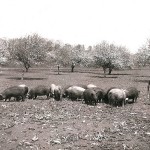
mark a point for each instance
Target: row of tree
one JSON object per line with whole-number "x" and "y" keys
{"x": 34, "y": 49}
{"x": 142, "y": 57}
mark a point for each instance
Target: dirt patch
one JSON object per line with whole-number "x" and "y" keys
{"x": 72, "y": 125}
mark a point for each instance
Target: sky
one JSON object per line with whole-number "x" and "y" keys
{"x": 88, "y": 22}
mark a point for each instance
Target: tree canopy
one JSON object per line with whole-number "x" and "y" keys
{"x": 28, "y": 50}
{"x": 142, "y": 57}
{"x": 34, "y": 49}
{"x": 111, "y": 56}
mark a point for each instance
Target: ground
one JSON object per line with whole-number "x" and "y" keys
{"x": 70, "y": 125}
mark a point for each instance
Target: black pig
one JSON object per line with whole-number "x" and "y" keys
{"x": 90, "y": 97}
{"x": 14, "y": 91}
{"x": 132, "y": 93}
{"x": 40, "y": 90}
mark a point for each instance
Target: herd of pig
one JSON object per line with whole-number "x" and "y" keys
{"x": 89, "y": 94}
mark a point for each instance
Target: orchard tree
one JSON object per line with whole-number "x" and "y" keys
{"x": 68, "y": 55}
{"x": 104, "y": 57}
{"x": 87, "y": 57}
{"x": 142, "y": 57}
{"x": 63, "y": 55}
{"x": 77, "y": 53}
{"x": 76, "y": 56}
{"x": 110, "y": 56}
{"x": 28, "y": 50}
{"x": 126, "y": 57}
{"x": 4, "y": 54}
{"x": 19, "y": 52}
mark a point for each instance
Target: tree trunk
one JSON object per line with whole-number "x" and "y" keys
{"x": 104, "y": 69}
{"x": 110, "y": 70}
{"x": 27, "y": 67}
{"x": 72, "y": 69}
{"x": 58, "y": 68}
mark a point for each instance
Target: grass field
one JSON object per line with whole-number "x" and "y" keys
{"x": 71, "y": 125}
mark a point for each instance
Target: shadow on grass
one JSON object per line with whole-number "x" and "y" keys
{"x": 39, "y": 99}
{"x": 26, "y": 78}
{"x": 103, "y": 77}
{"x": 143, "y": 81}
{"x": 4, "y": 74}
{"x": 94, "y": 71}
{"x": 118, "y": 74}
{"x": 141, "y": 76}
{"x": 78, "y": 71}
{"x": 63, "y": 72}
{"x": 56, "y": 74}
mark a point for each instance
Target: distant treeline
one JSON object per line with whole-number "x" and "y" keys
{"x": 34, "y": 50}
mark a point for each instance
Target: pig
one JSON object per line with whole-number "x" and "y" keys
{"x": 117, "y": 97}
{"x": 100, "y": 93}
{"x": 52, "y": 88}
{"x": 90, "y": 97}
{"x": 15, "y": 91}
{"x": 75, "y": 92}
{"x": 82, "y": 85}
{"x": 132, "y": 93}
{"x": 106, "y": 91}
{"x": 39, "y": 90}
{"x": 65, "y": 92}
{"x": 58, "y": 93}
{"x": 91, "y": 86}
{"x": 26, "y": 89}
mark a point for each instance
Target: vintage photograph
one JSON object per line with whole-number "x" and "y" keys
{"x": 74, "y": 75}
